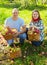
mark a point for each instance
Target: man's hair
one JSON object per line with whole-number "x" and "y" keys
{"x": 15, "y": 9}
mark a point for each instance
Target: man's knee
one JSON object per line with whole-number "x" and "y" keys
{"x": 22, "y": 36}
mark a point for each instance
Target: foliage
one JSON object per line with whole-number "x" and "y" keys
{"x": 25, "y": 11}
{"x": 25, "y": 14}
{"x": 22, "y": 3}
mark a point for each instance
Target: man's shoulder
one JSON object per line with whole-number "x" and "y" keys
{"x": 9, "y": 18}
{"x": 21, "y": 19}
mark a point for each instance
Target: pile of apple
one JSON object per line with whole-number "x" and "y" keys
{"x": 33, "y": 30}
{"x": 6, "y": 54}
{"x": 33, "y": 34}
{"x": 14, "y": 49}
{"x": 7, "y": 62}
{"x": 3, "y": 53}
{"x": 11, "y": 31}
{"x": 8, "y": 30}
{"x": 2, "y": 40}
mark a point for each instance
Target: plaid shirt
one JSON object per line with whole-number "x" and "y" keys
{"x": 40, "y": 26}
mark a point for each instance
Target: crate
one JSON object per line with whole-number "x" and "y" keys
{"x": 33, "y": 36}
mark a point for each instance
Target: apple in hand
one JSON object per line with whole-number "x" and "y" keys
{"x": 14, "y": 31}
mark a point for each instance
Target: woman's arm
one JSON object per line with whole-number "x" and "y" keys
{"x": 41, "y": 27}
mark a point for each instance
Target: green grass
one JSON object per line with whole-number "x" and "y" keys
{"x": 31, "y": 54}
{"x": 25, "y": 14}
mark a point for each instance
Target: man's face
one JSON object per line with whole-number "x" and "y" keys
{"x": 15, "y": 13}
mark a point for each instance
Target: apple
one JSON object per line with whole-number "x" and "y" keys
{"x": 3, "y": 32}
{"x": 36, "y": 30}
{"x": 11, "y": 31}
{"x": 35, "y": 33}
{"x": 12, "y": 61}
{"x": 17, "y": 49}
{"x": 8, "y": 60}
{"x": 30, "y": 32}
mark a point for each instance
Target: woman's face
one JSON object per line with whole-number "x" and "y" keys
{"x": 35, "y": 15}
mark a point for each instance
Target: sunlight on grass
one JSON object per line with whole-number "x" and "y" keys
{"x": 25, "y": 14}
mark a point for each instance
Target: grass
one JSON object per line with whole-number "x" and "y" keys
{"x": 31, "y": 55}
{"x": 25, "y": 14}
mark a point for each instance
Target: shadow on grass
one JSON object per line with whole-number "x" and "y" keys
{"x": 11, "y": 5}
{"x": 39, "y": 7}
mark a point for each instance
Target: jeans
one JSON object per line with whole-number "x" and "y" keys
{"x": 21, "y": 36}
{"x": 37, "y": 43}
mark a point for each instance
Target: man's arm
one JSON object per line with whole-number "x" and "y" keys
{"x": 23, "y": 29}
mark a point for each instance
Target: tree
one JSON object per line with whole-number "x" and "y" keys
{"x": 11, "y": 1}
{"x": 35, "y": 2}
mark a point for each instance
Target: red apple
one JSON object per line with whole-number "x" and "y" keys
{"x": 36, "y": 30}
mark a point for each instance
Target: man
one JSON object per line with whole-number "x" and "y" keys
{"x": 15, "y": 22}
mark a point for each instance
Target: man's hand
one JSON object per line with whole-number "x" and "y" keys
{"x": 9, "y": 29}
{"x": 16, "y": 34}
{"x": 23, "y": 29}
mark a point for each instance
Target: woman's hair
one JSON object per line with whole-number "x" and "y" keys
{"x": 38, "y": 14}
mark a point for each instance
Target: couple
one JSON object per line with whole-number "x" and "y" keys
{"x": 17, "y": 23}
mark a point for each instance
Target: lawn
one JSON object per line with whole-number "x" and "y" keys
{"x": 25, "y": 14}
{"x": 30, "y": 53}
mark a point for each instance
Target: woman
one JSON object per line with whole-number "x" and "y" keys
{"x": 37, "y": 24}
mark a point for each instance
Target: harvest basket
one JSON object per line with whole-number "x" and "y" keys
{"x": 33, "y": 36}
{"x": 36, "y": 37}
{"x": 8, "y": 37}
{"x": 15, "y": 54}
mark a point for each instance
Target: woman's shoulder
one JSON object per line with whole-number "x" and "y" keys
{"x": 41, "y": 21}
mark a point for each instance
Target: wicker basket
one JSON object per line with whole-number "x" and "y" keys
{"x": 8, "y": 37}
{"x": 33, "y": 36}
{"x": 30, "y": 37}
{"x": 36, "y": 37}
{"x": 15, "y": 54}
